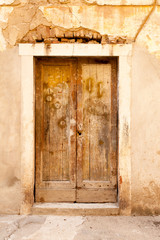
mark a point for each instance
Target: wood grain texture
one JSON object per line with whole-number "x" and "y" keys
{"x": 76, "y": 129}
{"x": 97, "y": 144}
{"x": 55, "y": 127}
{"x": 96, "y": 195}
{"x": 59, "y": 195}
{"x": 96, "y": 80}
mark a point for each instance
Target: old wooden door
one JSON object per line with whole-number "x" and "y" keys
{"x": 76, "y": 130}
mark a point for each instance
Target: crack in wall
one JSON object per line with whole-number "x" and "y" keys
{"x": 73, "y": 14}
{"x": 145, "y": 20}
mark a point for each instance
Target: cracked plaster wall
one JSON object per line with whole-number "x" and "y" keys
{"x": 140, "y": 24}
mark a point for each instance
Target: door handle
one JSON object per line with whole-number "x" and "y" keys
{"x": 79, "y": 133}
{"x": 79, "y": 129}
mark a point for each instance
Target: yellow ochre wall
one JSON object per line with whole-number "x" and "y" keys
{"x": 136, "y": 20}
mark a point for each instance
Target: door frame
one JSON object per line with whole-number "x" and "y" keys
{"x": 27, "y": 53}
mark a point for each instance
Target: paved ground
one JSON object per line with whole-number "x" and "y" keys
{"x": 79, "y": 228}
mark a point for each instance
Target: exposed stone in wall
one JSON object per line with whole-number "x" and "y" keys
{"x": 81, "y": 35}
{"x": 55, "y": 34}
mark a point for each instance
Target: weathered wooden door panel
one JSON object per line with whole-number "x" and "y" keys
{"x": 101, "y": 195}
{"x": 76, "y": 130}
{"x": 97, "y": 124}
{"x": 55, "y": 195}
{"x": 55, "y": 130}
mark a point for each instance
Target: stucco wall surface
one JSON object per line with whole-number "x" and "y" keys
{"x": 145, "y": 132}
{"x": 138, "y": 21}
{"x": 10, "y": 164}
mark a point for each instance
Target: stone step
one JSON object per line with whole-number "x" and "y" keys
{"x": 76, "y": 209}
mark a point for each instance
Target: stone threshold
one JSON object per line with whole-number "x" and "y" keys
{"x": 76, "y": 209}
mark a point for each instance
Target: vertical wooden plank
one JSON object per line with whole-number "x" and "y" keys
{"x": 80, "y": 127}
{"x": 39, "y": 123}
{"x": 96, "y": 105}
{"x": 58, "y": 122}
{"x": 46, "y": 98}
{"x": 86, "y": 88}
{"x": 114, "y": 126}
{"x": 96, "y": 102}
{"x": 56, "y": 134}
{"x": 73, "y": 119}
{"x": 66, "y": 130}
{"x": 93, "y": 126}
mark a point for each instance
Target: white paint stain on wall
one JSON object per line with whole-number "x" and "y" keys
{"x": 6, "y": 1}
{"x": 4, "y": 13}
{"x": 2, "y": 41}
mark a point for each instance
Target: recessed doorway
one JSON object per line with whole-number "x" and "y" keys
{"x": 76, "y": 129}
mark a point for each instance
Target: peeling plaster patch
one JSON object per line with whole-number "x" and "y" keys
{"x": 40, "y": 2}
{"x": 4, "y": 14}
{"x": 64, "y": 1}
{"x": 102, "y": 18}
{"x": 24, "y": 1}
{"x": 64, "y": 16}
{"x": 20, "y": 21}
{"x": 6, "y": 1}
{"x": 38, "y": 19}
{"x": 29, "y": 16}
{"x": 120, "y": 2}
{"x": 13, "y": 34}
{"x": 2, "y": 41}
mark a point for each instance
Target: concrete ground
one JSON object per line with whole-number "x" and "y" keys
{"x": 79, "y": 228}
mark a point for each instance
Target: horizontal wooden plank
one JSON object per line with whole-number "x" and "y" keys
{"x": 96, "y": 195}
{"x": 97, "y": 184}
{"x": 56, "y": 185}
{"x": 51, "y": 195}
